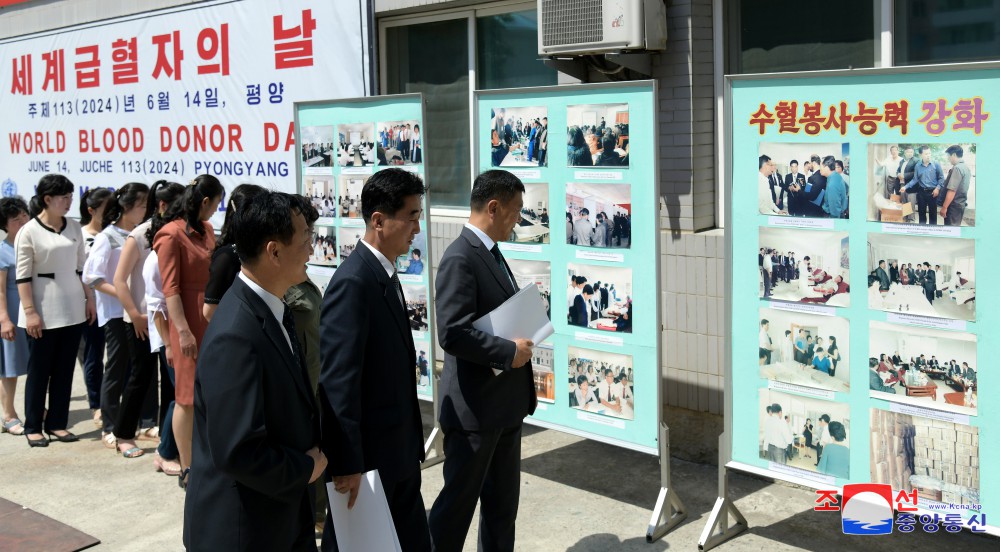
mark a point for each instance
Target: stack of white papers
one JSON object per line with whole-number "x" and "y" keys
{"x": 520, "y": 317}
{"x": 368, "y": 526}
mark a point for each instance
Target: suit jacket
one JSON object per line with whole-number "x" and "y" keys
{"x": 255, "y": 418}
{"x": 930, "y": 280}
{"x": 470, "y": 284}
{"x": 368, "y": 393}
{"x": 883, "y": 278}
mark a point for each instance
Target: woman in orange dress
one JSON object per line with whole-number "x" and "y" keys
{"x": 183, "y": 240}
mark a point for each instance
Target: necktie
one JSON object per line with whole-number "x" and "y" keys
{"x": 503, "y": 265}
{"x": 288, "y": 321}
{"x": 399, "y": 291}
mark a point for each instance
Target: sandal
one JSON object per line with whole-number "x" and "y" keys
{"x": 131, "y": 452}
{"x": 13, "y": 426}
{"x": 168, "y": 467}
{"x": 182, "y": 479}
{"x": 98, "y": 421}
{"x": 148, "y": 434}
{"x": 110, "y": 441}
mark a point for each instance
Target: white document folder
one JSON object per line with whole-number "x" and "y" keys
{"x": 520, "y": 317}
{"x": 368, "y": 526}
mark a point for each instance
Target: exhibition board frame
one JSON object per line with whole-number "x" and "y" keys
{"x": 555, "y": 179}
{"x": 364, "y": 111}
{"x": 873, "y": 86}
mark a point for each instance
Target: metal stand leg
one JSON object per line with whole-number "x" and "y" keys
{"x": 669, "y": 510}
{"x": 434, "y": 446}
{"x": 718, "y": 529}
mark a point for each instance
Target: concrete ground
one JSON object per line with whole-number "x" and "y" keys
{"x": 576, "y": 495}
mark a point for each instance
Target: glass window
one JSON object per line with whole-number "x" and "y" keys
{"x": 804, "y": 35}
{"x": 944, "y": 31}
{"x": 507, "y": 52}
{"x": 433, "y": 58}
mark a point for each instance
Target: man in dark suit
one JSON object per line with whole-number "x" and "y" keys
{"x": 929, "y": 282}
{"x": 368, "y": 394}
{"x": 486, "y": 389}
{"x": 883, "y": 277}
{"x": 256, "y": 427}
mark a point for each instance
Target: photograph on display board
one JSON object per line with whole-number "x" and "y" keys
{"x": 922, "y": 276}
{"x": 803, "y": 180}
{"x": 414, "y": 262}
{"x": 923, "y": 367}
{"x": 534, "y": 224}
{"x": 804, "y": 349}
{"x": 601, "y": 382}
{"x": 805, "y": 433}
{"x": 597, "y": 135}
{"x": 349, "y": 194}
{"x": 317, "y": 146}
{"x": 324, "y": 246}
{"x": 599, "y": 297}
{"x": 401, "y": 143}
{"x": 538, "y": 273}
{"x": 319, "y": 190}
{"x": 416, "y": 307}
{"x": 347, "y": 239}
{"x": 938, "y": 459}
{"x": 928, "y": 183}
{"x": 519, "y": 136}
{"x": 805, "y": 266}
{"x": 356, "y": 145}
{"x": 599, "y": 215}
{"x": 423, "y": 367}
{"x": 542, "y": 373}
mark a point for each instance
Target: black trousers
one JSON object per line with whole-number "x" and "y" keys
{"x": 134, "y": 396}
{"x": 408, "y": 516}
{"x": 926, "y": 202}
{"x": 51, "y": 361}
{"x": 115, "y": 371}
{"x": 484, "y": 467}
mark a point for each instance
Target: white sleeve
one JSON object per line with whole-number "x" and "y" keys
{"x": 95, "y": 269}
{"x": 154, "y": 285}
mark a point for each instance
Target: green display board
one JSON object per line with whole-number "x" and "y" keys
{"x": 913, "y": 421}
{"x": 598, "y": 376}
{"x": 340, "y": 143}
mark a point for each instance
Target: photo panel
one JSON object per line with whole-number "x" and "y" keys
{"x": 803, "y": 180}
{"x": 936, "y": 458}
{"x": 804, "y": 266}
{"x": 534, "y": 224}
{"x": 542, "y": 372}
{"x": 599, "y": 297}
{"x": 599, "y": 215}
{"x": 804, "y": 433}
{"x": 399, "y": 143}
{"x": 412, "y": 265}
{"x": 347, "y": 240}
{"x": 416, "y": 307}
{"x": 519, "y": 136}
{"x": 804, "y": 349}
{"x": 349, "y": 194}
{"x": 923, "y": 367}
{"x": 538, "y": 273}
{"x": 601, "y": 382}
{"x": 317, "y": 146}
{"x": 424, "y": 369}
{"x": 922, "y": 276}
{"x": 319, "y": 190}
{"x": 597, "y": 135}
{"x": 902, "y": 178}
{"x": 324, "y": 247}
{"x": 356, "y": 145}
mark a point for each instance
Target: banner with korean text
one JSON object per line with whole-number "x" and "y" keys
{"x": 855, "y": 264}
{"x": 176, "y": 93}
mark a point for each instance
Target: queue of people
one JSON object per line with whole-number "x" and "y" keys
{"x": 819, "y": 191}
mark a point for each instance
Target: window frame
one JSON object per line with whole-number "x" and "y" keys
{"x": 470, "y": 14}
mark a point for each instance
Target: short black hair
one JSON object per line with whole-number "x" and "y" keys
{"x": 416, "y": 252}
{"x": 957, "y": 150}
{"x": 304, "y": 206}
{"x": 922, "y": 149}
{"x": 49, "y": 185}
{"x": 587, "y": 290}
{"x": 840, "y": 164}
{"x": 764, "y": 322}
{"x": 793, "y": 162}
{"x": 825, "y": 418}
{"x": 775, "y": 407}
{"x": 494, "y": 184}
{"x": 830, "y": 162}
{"x": 386, "y": 192}
{"x": 265, "y": 217}
{"x": 11, "y": 207}
{"x": 837, "y": 431}
{"x": 762, "y": 160}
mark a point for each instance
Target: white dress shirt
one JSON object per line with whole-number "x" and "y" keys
{"x": 487, "y": 241}
{"x": 765, "y": 203}
{"x": 153, "y": 298}
{"x": 389, "y": 269}
{"x": 274, "y": 304}
{"x": 102, "y": 261}
{"x": 776, "y": 432}
{"x": 765, "y": 340}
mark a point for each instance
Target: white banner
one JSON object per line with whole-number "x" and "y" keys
{"x": 204, "y": 89}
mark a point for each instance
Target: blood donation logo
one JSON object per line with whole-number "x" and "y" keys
{"x": 867, "y": 509}
{"x": 9, "y": 188}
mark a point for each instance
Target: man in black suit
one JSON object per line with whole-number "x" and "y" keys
{"x": 929, "y": 282}
{"x": 883, "y": 278}
{"x": 486, "y": 389}
{"x": 368, "y": 393}
{"x": 793, "y": 184}
{"x": 256, "y": 427}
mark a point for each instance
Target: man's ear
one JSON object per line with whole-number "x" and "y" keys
{"x": 271, "y": 251}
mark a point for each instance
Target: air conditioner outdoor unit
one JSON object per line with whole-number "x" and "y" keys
{"x": 579, "y": 27}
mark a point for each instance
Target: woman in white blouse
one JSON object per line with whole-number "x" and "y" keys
{"x": 54, "y": 305}
{"x": 92, "y": 205}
